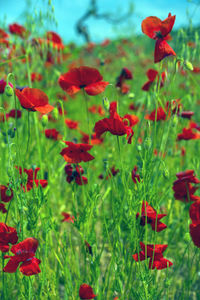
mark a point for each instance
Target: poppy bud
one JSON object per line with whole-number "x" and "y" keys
{"x": 8, "y": 90}
{"x": 55, "y": 113}
{"x": 8, "y": 192}
{"x": 139, "y": 147}
{"x": 44, "y": 120}
{"x": 166, "y": 173}
{"x": 131, "y": 95}
{"x": 106, "y": 103}
{"x": 188, "y": 65}
{"x": 187, "y": 237}
{"x": 147, "y": 143}
{"x": 11, "y": 133}
{"x": 175, "y": 121}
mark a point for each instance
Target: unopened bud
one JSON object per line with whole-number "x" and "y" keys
{"x": 166, "y": 173}
{"x": 188, "y": 65}
{"x": 55, "y": 113}
{"x": 139, "y": 147}
{"x": 8, "y": 91}
{"x": 187, "y": 237}
{"x": 175, "y": 121}
{"x": 131, "y": 95}
{"x": 8, "y": 192}
{"x": 44, "y": 120}
{"x": 147, "y": 143}
{"x": 106, "y": 103}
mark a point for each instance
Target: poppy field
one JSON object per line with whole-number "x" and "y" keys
{"x": 100, "y": 165}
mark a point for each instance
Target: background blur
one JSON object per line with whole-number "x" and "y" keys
{"x": 67, "y": 13}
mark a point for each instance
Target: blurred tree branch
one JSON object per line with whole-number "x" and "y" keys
{"x": 93, "y": 11}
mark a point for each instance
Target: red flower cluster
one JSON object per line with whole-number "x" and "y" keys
{"x": 32, "y": 180}
{"x": 195, "y": 226}
{"x": 86, "y": 292}
{"x": 155, "y": 252}
{"x": 150, "y": 216}
{"x": 152, "y": 76}
{"x": 24, "y": 253}
{"x": 183, "y": 188}
{"x": 76, "y": 153}
{"x": 85, "y": 78}
{"x": 34, "y": 100}
{"x": 159, "y": 30}
{"x": 6, "y": 195}
{"x": 114, "y": 124}
{"x": 8, "y": 235}
{"x": 75, "y": 174}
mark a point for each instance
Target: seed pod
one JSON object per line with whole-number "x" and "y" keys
{"x": 8, "y": 91}
{"x": 188, "y": 65}
{"x": 106, "y": 103}
{"x": 44, "y": 120}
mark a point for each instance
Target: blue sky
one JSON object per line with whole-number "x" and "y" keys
{"x": 68, "y": 11}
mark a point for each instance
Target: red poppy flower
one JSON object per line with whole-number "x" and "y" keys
{"x": 71, "y": 124}
{"x": 67, "y": 218}
{"x": 8, "y": 235}
{"x": 194, "y": 125}
{"x": 55, "y": 39}
{"x": 5, "y": 197}
{"x": 3, "y": 34}
{"x": 183, "y": 189}
{"x": 195, "y": 226}
{"x": 96, "y": 109}
{"x": 86, "y": 292}
{"x": 89, "y": 248}
{"x": 75, "y": 174}
{"x": 76, "y": 153}
{"x": 34, "y": 100}
{"x": 135, "y": 176}
{"x": 2, "y": 86}
{"x": 162, "y": 50}
{"x": 114, "y": 124}
{"x": 188, "y": 134}
{"x": 24, "y": 253}
{"x": 152, "y": 75}
{"x": 156, "y": 29}
{"x": 94, "y": 140}
{"x": 150, "y": 216}
{"x": 17, "y": 29}
{"x": 32, "y": 179}
{"x": 36, "y": 77}
{"x": 155, "y": 252}
{"x": 14, "y": 112}
{"x": 2, "y": 208}
{"x": 83, "y": 77}
{"x": 158, "y": 115}
{"x": 187, "y": 114}
{"x": 159, "y": 30}
{"x": 53, "y": 134}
